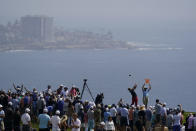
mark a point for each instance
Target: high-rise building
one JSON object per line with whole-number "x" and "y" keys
{"x": 37, "y": 28}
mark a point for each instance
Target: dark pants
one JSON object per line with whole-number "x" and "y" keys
{"x": 25, "y": 128}
{"x": 131, "y": 124}
{"x": 44, "y": 129}
{"x": 134, "y": 100}
{"x": 17, "y": 128}
{"x": 114, "y": 120}
{"x": 176, "y": 128}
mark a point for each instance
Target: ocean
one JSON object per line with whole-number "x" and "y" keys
{"x": 171, "y": 72}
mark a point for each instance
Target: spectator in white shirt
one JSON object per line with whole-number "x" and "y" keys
{"x": 26, "y": 120}
{"x": 76, "y": 123}
{"x": 109, "y": 125}
{"x": 55, "y": 120}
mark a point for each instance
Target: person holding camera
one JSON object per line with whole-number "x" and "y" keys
{"x": 134, "y": 95}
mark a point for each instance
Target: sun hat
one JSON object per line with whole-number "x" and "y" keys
{"x": 10, "y": 103}
{"x": 102, "y": 123}
{"x": 57, "y": 112}
{"x": 27, "y": 110}
{"x": 45, "y": 110}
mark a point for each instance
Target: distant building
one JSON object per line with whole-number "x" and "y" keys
{"x": 37, "y": 28}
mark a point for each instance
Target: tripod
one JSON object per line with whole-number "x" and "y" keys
{"x": 86, "y": 86}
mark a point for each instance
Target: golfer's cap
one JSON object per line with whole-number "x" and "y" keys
{"x": 61, "y": 85}
{"x": 132, "y": 106}
{"x": 1, "y": 106}
{"x": 74, "y": 86}
{"x": 165, "y": 103}
{"x": 27, "y": 110}
{"x": 102, "y": 123}
{"x": 45, "y": 110}
{"x": 10, "y": 103}
{"x": 57, "y": 112}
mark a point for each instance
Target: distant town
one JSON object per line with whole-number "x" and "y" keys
{"x": 39, "y": 33}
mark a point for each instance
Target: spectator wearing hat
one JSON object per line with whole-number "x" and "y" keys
{"x": 113, "y": 112}
{"x": 145, "y": 91}
{"x": 90, "y": 115}
{"x": 81, "y": 117}
{"x": 41, "y": 103}
{"x": 2, "y": 115}
{"x": 8, "y": 120}
{"x": 55, "y": 120}
{"x": 44, "y": 121}
{"x": 101, "y": 127}
{"x": 60, "y": 105}
{"x": 124, "y": 117}
{"x": 163, "y": 114}
{"x": 26, "y": 120}
{"x": 148, "y": 118}
{"x": 106, "y": 114}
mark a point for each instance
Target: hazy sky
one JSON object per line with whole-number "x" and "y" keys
{"x": 103, "y": 13}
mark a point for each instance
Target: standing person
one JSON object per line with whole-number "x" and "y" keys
{"x": 177, "y": 119}
{"x": 169, "y": 120}
{"x": 97, "y": 115}
{"x": 113, "y": 112}
{"x": 158, "y": 111}
{"x": 163, "y": 115}
{"x": 190, "y": 122}
{"x": 26, "y": 120}
{"x": 16, "y": 120}
{"x": 142, "y": 116}
{"x": 44, "y": 121}
{"x": 81, "y": 117}
{"x": 148, "y": 118}
{"x": 76, "y": 123}
{"x": 194, "y": 122}
{"x": 134, "y": 95}
{"x": 2, "y": 115}
{"x": 91, "y": 122}
{"x": 106, "y": 114}
{"x": 41, "y": 103}
{"x": 124, "y": 118}
{"x": 145, "y": 91}
{"x": 55, "y": 120}
{"x": 8, "y": 120}
{"x": 109, "y": 125}
{"x": 131, "y": 112}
